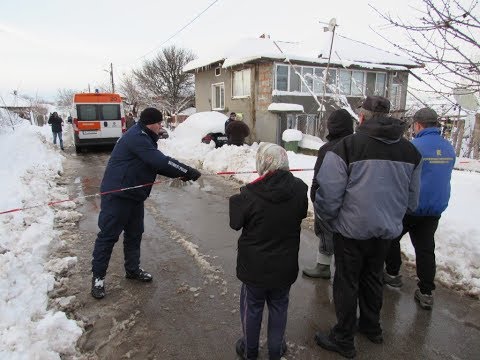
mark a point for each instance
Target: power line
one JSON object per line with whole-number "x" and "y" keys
{"x": 178, "y": 31}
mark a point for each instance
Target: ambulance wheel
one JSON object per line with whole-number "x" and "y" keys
{"x": 78, "y": 149}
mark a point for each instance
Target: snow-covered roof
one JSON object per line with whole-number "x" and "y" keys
{"x": 346, "y": 52}
{"x": 278, "y": 107}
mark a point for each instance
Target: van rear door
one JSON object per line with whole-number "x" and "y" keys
{"x": 99, "y": 121}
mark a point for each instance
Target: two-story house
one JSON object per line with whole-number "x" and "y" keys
{"x": 277, "y": 85}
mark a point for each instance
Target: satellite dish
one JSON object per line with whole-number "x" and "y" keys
{"x": 331, "y": 25}
{"x": 466, "y": 98}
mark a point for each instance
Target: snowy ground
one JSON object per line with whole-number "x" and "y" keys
{"x": 29, "y": 168}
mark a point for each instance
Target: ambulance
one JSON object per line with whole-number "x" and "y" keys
{"x": 97, "y": 119}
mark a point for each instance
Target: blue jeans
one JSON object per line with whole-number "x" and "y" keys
{"x": 118, "y": 214}
{"x": 59, "y": 134}
{"x": 252, "y": 301}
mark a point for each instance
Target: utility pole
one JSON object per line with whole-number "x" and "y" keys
{"x": 332, "y": 25}
{"x": 111, "y": 77}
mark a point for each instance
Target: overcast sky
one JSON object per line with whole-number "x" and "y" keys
{"x": 50, "y": 44}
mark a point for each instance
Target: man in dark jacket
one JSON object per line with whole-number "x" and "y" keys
{"x": 438, "y": 160}
{"x": 231, "y": 119}
{"x": 269, "y": 211}
{"x": 236, "y": 132}
{"x": 366, "y": 184}
{"x": 339, "y": 125}
{"x": 135, "y": 161}
{"x": 56, "y": 122}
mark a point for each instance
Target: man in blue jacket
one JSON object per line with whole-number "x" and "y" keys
{"x": 438, "y": 160}
{"x": 135, "y": 160}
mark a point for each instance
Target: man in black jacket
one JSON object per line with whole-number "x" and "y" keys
{"x": 269, "y": 211}
{"x": 339, "y": 125}
{"x": 365, "y": 186}
{"x": 56, "y": 122}
{"x": 236, "y": 132}
{"x": 135, "y": 160}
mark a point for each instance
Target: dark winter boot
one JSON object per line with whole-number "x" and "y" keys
{"x": 424, "y": 300}
{"x": 319, "y": 271}
{"x": 327, "y": 342}
{"x": 98, "y": 287}
{"x": 139, "y": 275}
{"x": 392, "y": 280}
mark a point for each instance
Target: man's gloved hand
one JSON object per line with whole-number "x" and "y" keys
{"x": 192, "y": 174}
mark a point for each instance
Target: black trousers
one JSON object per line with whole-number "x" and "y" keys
{"x": 358, "y": 279}
{"x": 252, "y": 302}
{"x": 422, "y": 233}
{"x": 118, "y": 214}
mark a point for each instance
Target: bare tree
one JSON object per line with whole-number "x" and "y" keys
{"x": 444, "y": 37}
{"x": 65, "y": 98}
{"x": 164, "y": 79}
{"x": 132, "y": 92}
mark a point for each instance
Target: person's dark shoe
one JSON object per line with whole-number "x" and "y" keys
{"x": 392, "y": 280}
{"x": 374, "y": 338}
{"x": 328, "y": 343}
{"x": 320, "y": 271}
{"x": 424, "y": 300}
{"x": 240, "y": 350}
{"x": 140, "y": 275}
{"x": 98, "y": 287}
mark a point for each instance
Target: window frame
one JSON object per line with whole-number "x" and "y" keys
{"x": 249, "y": 85}
{"x": 219, "y": 71}
{"x": 384, "y": 85}
{"x": 394, "y": 96}
{"x": 288, "y": 76}
{"x": 221, "y": 85}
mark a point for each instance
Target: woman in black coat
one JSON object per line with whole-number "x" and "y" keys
{"x": 269, "y": 211}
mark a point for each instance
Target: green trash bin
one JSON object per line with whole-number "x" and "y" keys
{"x": 291, "y": 146}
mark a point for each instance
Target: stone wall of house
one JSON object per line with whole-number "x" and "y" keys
{"x": 266, "y": 122}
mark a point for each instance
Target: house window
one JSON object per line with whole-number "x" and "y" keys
{"x": 218, "y": 71}
{"x": 307, "y": 73}
{"x": 380, "y": 82}
{"x": 351, "y": 82}
{"x": 306, "y": 123}
{"x": 282, "y": 78}
{"x": 287, "y": 79}
{"x": 295, "y": 82}
{"x": 218, "y": 96}
{"x": 358, "y": 83}
{"x": 241, "y": 83}
{"x": 345, "y": 82}
{"x": 396, "y": 96}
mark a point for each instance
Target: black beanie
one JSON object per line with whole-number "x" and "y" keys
{"x": 151, "y": 116}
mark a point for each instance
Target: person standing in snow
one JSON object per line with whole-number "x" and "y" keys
{"x": 135, "y": 160}
{"x": 231, "y": 119}
{"x": 269, "y": 211}
{"x": 236, "y": 132}
{"x": 438, "y": 160}
{"x": 365, "y": 186}
{"x": 56, "y": 122}
{"x": 339, "y": 125}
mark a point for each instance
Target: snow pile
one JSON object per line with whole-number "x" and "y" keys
{"x": 196, "y": 126}
{"x": 27, "y": 329}
{"x": 467, "y": 164}
{"x": 292, "y": 135}
{"x": 457, "y": 240}
{"x": 310, "y": 142}
{"x": 9, "y": 120}
{"x": 285, "y": 107}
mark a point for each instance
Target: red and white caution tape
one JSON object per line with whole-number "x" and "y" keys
{"x": 51, "y": 203}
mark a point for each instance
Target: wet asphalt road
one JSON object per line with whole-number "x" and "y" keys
{"x": 190, "y": 310}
